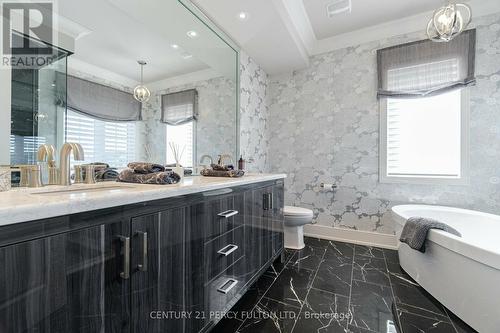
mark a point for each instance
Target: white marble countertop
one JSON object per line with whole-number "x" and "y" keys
{"x": 24, "y": 204}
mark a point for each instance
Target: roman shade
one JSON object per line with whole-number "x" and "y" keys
{"x": 426, "y": 68}
{"x": 97, "y": 100}
{"x": 180, "y": 107}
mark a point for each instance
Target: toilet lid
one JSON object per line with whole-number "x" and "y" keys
{"x": 297, "y": 211}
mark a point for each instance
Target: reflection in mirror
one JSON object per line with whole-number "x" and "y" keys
{"x": 87, "y": 96}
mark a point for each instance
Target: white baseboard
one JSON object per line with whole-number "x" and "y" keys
{"x": 351, "y": 236}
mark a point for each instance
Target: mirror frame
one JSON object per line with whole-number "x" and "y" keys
{"x": 198, "y": 13}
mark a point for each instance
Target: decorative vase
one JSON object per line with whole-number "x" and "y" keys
{"x": 180, "y": 171}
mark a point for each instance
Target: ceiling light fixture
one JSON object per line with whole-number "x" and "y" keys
{"x": 175, "y": 46}
{"x": 448, "y": 22}
{"x": 192, "y": 34}
{"x": 141, "y": 93}
{"x": 243, "y": 16}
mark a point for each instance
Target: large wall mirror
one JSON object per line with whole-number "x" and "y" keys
{"x": 86, "y": 95}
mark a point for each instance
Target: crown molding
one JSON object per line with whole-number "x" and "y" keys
{"x": 394, "y": 28}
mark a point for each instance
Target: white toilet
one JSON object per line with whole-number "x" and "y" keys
{"x": 295, "y": 219}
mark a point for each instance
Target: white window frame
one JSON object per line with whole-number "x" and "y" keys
{"x": 464, "y": 162}
{"x": 195, "y": 152}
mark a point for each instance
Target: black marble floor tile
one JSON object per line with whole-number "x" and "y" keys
{"x": 291, "y": 286}
{"x": 316, "y": 242}
{"x": 371, "y": 306}
{"x": 369, "y": 269}
{"x": 323, "y": 312}
{"x": 395, "y": 268}
{"x": 339, "y": 249}
{"x": 412, "y": 323}
{"x": 409, "y": 293}
{"x": 252, "y": 296}
{"x": 391, "y": 256}
{"x": 271, "y": 316}
{"x": 334, "y": 275}
{"x": 227, "y": 325}
{"x": 369, "y": 251}
{"x": 275, "y": 269}
{"x": 355, "y": 329}
{"x": 309, "y": 258}
{"x": 460, "y": 326}
{"x": 328, "y": 279}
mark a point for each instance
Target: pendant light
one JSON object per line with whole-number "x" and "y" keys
{"x": 448, "y": 22}
{"x": 141, "y": 93}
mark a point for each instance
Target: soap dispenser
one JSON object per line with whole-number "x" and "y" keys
{"x": 241, "y": 163}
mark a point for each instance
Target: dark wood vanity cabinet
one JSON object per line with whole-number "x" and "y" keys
{"x": 173, "y": 265}
{"x": 64, "y": 283}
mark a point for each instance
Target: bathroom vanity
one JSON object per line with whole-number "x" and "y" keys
{"x": 135, "y": 258}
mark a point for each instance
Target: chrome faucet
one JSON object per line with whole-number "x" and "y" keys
{"x": 66, "y": 150}
{"x": 203, "y": 158}
{"x": 224, "y": 157}
{"x": 47, "y": 153}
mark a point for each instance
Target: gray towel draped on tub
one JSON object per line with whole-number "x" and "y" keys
{"x": 416, "y": 228}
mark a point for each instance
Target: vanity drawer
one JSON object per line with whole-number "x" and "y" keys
{"x": 223, "y": 251}
{"x": 222, "y": 216}
{"x": 224, "y": 291}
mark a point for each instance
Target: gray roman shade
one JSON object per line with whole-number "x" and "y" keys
{"x": 99, "y": 101}
{"x": 180, "y": 107}
{"x": 426, "y": 68}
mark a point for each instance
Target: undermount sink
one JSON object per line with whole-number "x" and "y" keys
{"x": 75, "y": 190}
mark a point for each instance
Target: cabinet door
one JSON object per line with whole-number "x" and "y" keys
{"x": 167, "y": 278}
{"x": 63, "y": 283}
{"x": 277, "y": 220}
{"x": 258, "y": 245}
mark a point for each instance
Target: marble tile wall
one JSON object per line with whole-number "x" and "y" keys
{"x": 4, "y": 179}
{"x": 324, "y": 127}
{"x": 254, "y": 115}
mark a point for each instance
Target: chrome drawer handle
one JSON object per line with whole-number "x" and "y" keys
{"x": 125, "y": 274}
{"x": 231, "y": 283}
{"x": 227, "y": 250}
{"x": 228, "y": 213}
{"x": 144, "y": 249}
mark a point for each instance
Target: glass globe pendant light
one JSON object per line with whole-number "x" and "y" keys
{"x": 141, "y": 92}
{"x": 448, "y": 22}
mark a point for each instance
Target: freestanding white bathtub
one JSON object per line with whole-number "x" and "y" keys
{"x": 463, "y": 273}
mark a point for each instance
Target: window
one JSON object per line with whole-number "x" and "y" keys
{"x": 182, "y": 135}
{"x": 425, "y": 139}
{"x": 102, "y": 141}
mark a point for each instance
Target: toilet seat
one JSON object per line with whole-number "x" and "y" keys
{"x": 297, "y": 212}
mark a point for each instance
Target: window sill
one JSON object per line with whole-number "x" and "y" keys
{"x": 464, "y": 181}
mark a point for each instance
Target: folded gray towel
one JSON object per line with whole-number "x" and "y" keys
{"x": 160, "y": 178}
{"x": 142, "y": 167}
{"x": 416, "y": 228}
{"x": 220, "y": 173}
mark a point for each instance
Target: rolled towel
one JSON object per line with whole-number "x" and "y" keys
{"x": 106, "y": 174}
{"x": 416, "y": 228}
{"x": 218, "y": 167}
{"x": 142, "y": 167}
{"x": 159, "y": 178}
{"x": 220, "y": 173}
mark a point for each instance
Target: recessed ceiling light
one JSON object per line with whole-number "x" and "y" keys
{"x": 338, "y": 6}
{"x": 192, "y": 34}
{"x": 175, "y": 46}
{"x": 243, "y": 16}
